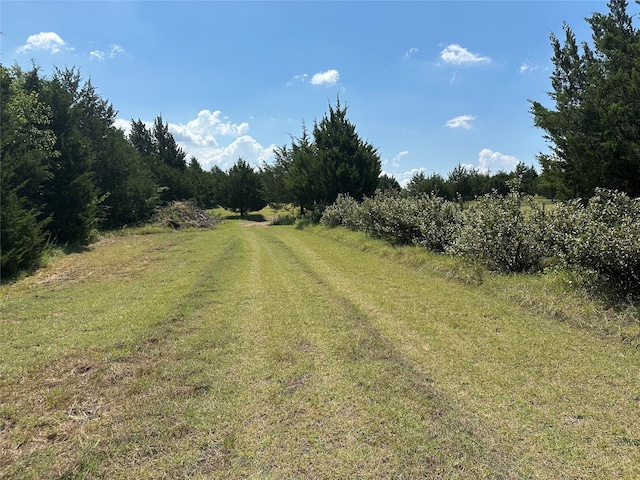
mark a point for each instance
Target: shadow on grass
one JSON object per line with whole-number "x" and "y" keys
{"x": 251, "y": 217}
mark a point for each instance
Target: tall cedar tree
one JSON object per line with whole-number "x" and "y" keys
{"x": 70, "y": 195}
{"x": 26, "y": 147}
{"x": 347, "y": 164}
{"x": 244, "y": 189}
{"x": 594, "y": 129}
{"x": 335, "y": 161}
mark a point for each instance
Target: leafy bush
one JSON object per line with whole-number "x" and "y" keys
{"x": 344, "y": 212}
{"x": 600, "y": 240}
{"x": 499, "y": 232}
{"x": 390, "y": 217}
{"x": 425, "y": 220}
{"x": 439, "y": 222}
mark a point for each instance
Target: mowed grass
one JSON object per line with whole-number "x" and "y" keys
{"x": 271, "y": 352}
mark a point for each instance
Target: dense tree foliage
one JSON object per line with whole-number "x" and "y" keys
{"x": 27, "y": 146}
{"x": 244, "y": 191}
{"x": 67, "y": 170}
{"x": 314, "y": 170}
{"x": 594, "y": 127}
{"x": 465, "y": 183}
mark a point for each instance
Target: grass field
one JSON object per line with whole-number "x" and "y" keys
{"x": 270, "y": 352}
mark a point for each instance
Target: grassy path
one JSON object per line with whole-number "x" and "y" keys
{"x": 269, "y": 352}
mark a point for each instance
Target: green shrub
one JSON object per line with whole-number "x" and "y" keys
{"x": 426, "y": 220}
{"x": 344, "y": 212}
{"x": 498, "y": 232}
{"x": 439, "y": 222}
{"x": 600, "y": 241}
{"x": 390, "y": 217}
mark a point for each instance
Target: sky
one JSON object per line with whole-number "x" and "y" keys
{"x": 431, "y": 84}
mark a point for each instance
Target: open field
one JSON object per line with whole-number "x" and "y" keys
{"x": 271, "y": 352}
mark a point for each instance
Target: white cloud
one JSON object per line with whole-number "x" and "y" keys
{"x": 50, "y": 41}
{"x": 245, "y": 147}
{"x": 490, "y": 161}
{"x": 115, "y": 50}
{"x": 298, "y": 78}
{"x": 409, "y": 53}
{"x": 461, "y": 56}
{"x": 124, "y": 125}
{"x": 200, "y": 138}
{"x": 204, "y": 129}
{"x": 330, "y": 77}
{"x": 97, "y": 54}
{"x": 395, "y": 161}
{"x": 527, "y": 67}
{"x": 462, "y": 121}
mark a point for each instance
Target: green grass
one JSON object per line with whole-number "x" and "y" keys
{"x": 273, "y": 352}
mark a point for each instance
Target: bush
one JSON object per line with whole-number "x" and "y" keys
{"x": 426, "y": 220}
{"x": 344, "y": 212}
{"x": 498, "y": 232}
{"x": 600, "y": 241}
{"x": 439, "y": 222}
{"x": 390, "y": 217}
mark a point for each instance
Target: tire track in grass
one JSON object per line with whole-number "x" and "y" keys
{"x": 117, "y": 410}
{"x": 327, "y": 395}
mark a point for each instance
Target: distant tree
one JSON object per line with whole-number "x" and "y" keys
{"x": 244, "y": 189}
{"x": 594, "y": 127}
{"x": 435, "y": 184}
{"x": 305, "y": 179}
{"x": 165, "y": 158}
{"x": 335, "y": 161}
{"x": 528, "y": 178}
{"x": 467, "y": 182}
{"x": 128, "y": 187}
{"x": 274, "y": 183}
{"x": 387, "y": 183}
{"x": 166, "y": 146}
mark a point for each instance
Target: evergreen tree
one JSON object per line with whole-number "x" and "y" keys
{"x": 387, "y": 183}
{"x": 26, "y": 146}
{"x": 335, "y": 161}
{"x": 71, "y": 197}
{"x": 348, "y": 164}
{"x": 244, "y": 189}
{"x": 594, "y": 129}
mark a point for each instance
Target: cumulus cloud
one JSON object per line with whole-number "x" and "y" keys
{"x": 409, "y": 53}
{"x": 490, "y": 161}
{"x": 203, "y": 136}
{"x": 204, "y": 129}
{"x": 462, "y": 121}
{"x": 458, "y": 55}
{"x": 245, "y": 147}
{"x": 50, "y": 41}
{"x": 328, "y": 78}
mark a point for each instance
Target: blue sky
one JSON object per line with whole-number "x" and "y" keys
{"x": 430, "y": 84}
